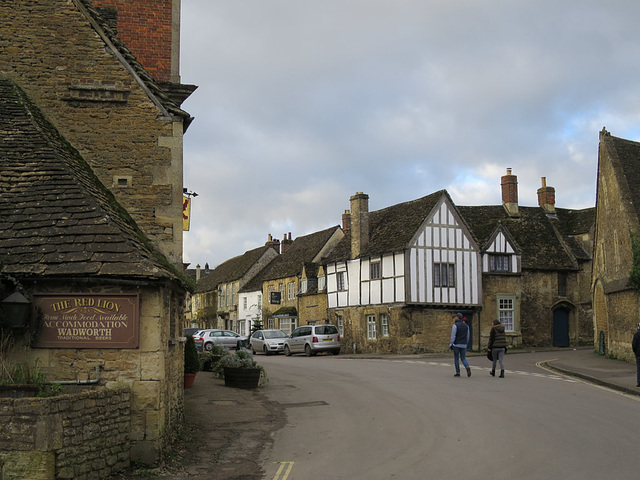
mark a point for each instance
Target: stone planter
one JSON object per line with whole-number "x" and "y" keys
{"x": 18, "y": 390}
{"x": 242, "y": 377}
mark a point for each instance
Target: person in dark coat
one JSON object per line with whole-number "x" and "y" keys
{"x": 498, "y": 346}
{"x": 635, "y": 346}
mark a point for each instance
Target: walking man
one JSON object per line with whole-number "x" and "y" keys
{"x": 458, "y": 343}
{"x": 635, "y": 346}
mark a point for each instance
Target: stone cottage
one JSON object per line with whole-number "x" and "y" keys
{"x": 91, "y": 210}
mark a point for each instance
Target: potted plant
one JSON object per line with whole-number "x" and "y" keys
{"x": 239, "y": 370}
{"x": 208, "y": 359}
{"x": 191, "y": 362}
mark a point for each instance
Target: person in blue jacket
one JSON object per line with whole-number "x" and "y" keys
{"x": 458, "y": 343}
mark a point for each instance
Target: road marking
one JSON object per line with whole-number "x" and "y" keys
{"x": 284, "y": 470}
{"x": 552, "y": 375}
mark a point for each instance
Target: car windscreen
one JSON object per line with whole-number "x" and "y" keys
{"x": 278, "y": 334}
{"x": 326, "y": 330}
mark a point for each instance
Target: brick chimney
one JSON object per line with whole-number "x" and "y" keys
{"x": 151, "y": 30}
{"x": 547, "y": 197}
{"x": 286, "y": 242}
{"x": 346, "y": 221}
{"x": 509, "y": 184}
{"x": 359, "y": 223}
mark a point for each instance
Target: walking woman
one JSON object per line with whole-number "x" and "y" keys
{"x": 497, "y": 345}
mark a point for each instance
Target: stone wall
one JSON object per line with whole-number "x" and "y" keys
{"x": 72, "y": 436}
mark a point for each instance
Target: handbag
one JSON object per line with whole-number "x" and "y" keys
{"x": 489, "y": 355}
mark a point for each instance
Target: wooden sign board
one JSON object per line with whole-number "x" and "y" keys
{"x": 88, "y": 320}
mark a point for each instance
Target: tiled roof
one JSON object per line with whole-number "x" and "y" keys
{"x": 390, "y": 229}
{"x": 149, "y": 82}
{"x": 544, "y": 242}
{"x": 289, "y": 264}
{"x": 231, "y": 270}
{"x": 56, "y": 218}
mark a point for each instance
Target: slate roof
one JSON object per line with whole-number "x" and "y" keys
{"x": 390, "y": 229}
{"x": 231, "y": 270}
{"x": 56, "y": 217}
{"x": 289, "y": 264}
{"x": 545, "y": 243}
{"x": 101, "y": 24}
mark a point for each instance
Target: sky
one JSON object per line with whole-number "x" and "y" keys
{"x": 301, "y": 104}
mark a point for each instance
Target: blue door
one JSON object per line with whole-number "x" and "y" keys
{"x": 561, "y": 327}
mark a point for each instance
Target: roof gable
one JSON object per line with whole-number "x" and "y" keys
{"x": 56, "y": 217}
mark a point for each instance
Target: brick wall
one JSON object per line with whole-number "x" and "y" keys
{"x": 145, "y": 26}
{"x": 72, "y": 436}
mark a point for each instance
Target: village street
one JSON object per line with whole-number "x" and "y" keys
{"x": 406, "y": 418}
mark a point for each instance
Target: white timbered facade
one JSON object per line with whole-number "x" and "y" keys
{"x": 439, "y": 266}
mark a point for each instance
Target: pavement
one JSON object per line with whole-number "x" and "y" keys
{"x": 228, "y": 430}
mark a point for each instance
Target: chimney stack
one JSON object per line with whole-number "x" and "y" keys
{"x": 197, "y": 272}
{"x": 359, "y": 223}
{"x": 509, "y": 184}
{"x": 346, "y": 221}
{"x": 274, "y": 242}
{"x": 286, "y": 242}
{"x": 547, "y": 197}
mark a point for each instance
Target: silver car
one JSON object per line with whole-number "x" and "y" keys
{"x": 267, "y": 341}
{"x": 312, "y": 339}
{"x": 224, "y": 338}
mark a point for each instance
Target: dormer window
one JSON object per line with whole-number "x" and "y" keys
{"x": 499, "y": 263}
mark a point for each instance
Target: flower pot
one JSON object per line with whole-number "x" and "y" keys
{"x": 241, "y": 377}
{"x": 189, "y": 378}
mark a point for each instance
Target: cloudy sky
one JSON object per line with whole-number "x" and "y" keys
{"x": 302, "y": 103}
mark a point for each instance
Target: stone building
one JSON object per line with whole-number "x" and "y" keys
{"x": 91, "y": 206}
{"x": 400, "y": 273}
{"x": 615, "y": 301}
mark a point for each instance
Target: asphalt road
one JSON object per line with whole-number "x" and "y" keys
{"x": 404, "y": 418}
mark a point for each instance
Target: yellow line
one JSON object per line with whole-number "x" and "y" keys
{"x": 284, "y": 467}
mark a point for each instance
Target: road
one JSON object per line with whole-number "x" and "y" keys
{"x": 408, "y": 418}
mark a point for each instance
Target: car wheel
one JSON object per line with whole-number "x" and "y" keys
{"x": 287, "y": 352}
{"x": 208, "y": 346}
{"x": 264, "y": 349}
{"x": 307, "y": 350}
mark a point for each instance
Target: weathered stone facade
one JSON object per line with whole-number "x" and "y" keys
{"x": 617, "y": 203}
{"x": 83, "y": 84}
{"x": 75, "y": 436}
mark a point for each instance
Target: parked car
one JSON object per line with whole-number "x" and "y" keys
{"x": 224, "y": 338}
{"x": 312, "y": 339}
{"x": 191, "y": 331}
{"x": 267, "y": 341}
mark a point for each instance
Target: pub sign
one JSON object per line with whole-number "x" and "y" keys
{"x": 88, "y": 320}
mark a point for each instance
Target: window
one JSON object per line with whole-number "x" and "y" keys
{"x": 375, "y": 270}
{"x": 506, "y": 312}
{"x": 384, "y": 325}
{"x": 499, "y": 263}
{"x": 371, "y": 327}
{"x": 291, "y": 290}
{"x": 244, "y": 303}
{"x": 562, "y": 284}
{"x": 340, "y": 322}
{"x": 444, "y": 275}
{"x": 322, "y": 282}
{"x": 340, "y": 281}
{"x": 304, "y": 285}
